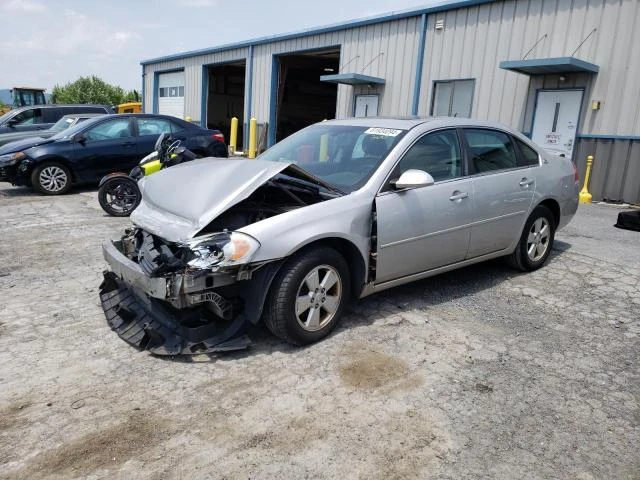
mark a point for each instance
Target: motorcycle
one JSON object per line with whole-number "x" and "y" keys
{"x": 118, "y": 192}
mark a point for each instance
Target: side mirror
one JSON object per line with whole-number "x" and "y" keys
{"x": 413, "y": 179}
{"x": 80, "y": 138}
{"x": 12, "y": 122}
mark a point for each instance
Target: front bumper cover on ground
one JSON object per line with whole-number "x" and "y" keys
{"x": 146, "y": 323}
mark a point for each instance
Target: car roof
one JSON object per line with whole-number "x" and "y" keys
{"x": 85, "y": 115}
{"x": 407, "y": 123}
{"x": 56, "y": 105}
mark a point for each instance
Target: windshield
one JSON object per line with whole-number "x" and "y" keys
{"x": 343, "y": 156}
{"x": 71, "y": 131}
{"x": 7, "y": 116}
{"x": 63, "y": 124}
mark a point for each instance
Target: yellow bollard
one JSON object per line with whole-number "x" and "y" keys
{"x": 233, "y": 136}
{"x": 253, "y": 137}
{"x": 585, "y": 196}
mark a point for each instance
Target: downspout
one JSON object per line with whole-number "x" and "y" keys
{"x": 419, "y": 64}
{"x": 249, "y": 96}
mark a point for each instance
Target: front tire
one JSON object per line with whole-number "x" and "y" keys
{"x": 308, "y": 296}
{"x": 119, "y": 196}
{"x": 51, "y": 179}
{"x": 536, "y": 241}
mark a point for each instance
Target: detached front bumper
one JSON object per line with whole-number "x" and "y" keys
{"x": 168, "y": 315}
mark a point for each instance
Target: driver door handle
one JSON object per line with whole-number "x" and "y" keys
{"x": 525, "y": 182}
{"x": 458, "y": 196}
{"x": 128, "y": 144}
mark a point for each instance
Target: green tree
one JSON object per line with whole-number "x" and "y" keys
{"x": 91, "y": 90}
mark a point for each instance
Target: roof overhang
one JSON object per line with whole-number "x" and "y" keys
{"x": 546, "y": 66}
{"x": 352, "y": 79}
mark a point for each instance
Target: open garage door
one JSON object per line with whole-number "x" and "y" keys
{"x": 302, "y": 98}
{"x": 225, "y": 98}
{"x": 171, "y": 94}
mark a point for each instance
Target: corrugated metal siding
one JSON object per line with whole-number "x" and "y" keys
{"x": 193, "y": 78}
{"x": 476, "y": 39}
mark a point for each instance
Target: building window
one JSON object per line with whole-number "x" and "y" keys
{"x": 452, "y": 98}
{"x": 171, "y": 91}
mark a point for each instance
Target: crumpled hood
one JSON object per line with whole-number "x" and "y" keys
{"x": 180, "y": 201}
{"x": 22, "y": 144}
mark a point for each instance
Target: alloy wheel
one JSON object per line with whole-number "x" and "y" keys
{"x": 53, "y": 178}
{"x": 318, "y": 298}
{"x": 538, "y": 239}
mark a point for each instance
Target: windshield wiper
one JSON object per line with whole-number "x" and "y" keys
{"x": 310, "y": 180}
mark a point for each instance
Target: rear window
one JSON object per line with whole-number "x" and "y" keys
{"x": 529, "y": 156}
{"x": 490, "y": 150}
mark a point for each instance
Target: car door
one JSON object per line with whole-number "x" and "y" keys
{"x": 149, "y": 129}
{"x": 502, "y": 190}
{"x": 106, "y": 147}
{"x": 425, "y": 228}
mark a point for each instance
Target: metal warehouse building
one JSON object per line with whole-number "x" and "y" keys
{"x": 564, "y": 72}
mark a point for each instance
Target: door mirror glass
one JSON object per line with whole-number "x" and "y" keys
{"x": 80, "y": 138}
{"x": 413, "y": 179}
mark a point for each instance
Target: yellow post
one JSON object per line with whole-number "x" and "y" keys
{"x": 253, "y": 137}
{"x": 585, "y": 196}
{"x": 233, "y": 136}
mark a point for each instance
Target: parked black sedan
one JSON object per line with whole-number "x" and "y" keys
{"x": 109, "y": 143}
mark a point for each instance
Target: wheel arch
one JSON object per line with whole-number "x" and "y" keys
{"x": 53, "y": 159}
{"x": 554, "y": 208}
{"x": 261, "y": 283}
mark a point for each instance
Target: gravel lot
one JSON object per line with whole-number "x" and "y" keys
{"x": 479, "y": 373}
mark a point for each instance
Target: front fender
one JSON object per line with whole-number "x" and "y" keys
{"x": 112, "y": 175}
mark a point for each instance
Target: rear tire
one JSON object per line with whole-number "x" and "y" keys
{"x": 536, "y": 241}
{"x": 308, "y": 296}
{"x": 51, "y": 178}
{"x": 119, "y": 196}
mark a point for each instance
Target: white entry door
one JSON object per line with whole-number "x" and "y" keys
{"x": 556, "y": 120}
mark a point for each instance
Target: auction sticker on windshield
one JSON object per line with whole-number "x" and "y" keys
{"x": 386, "y": 132}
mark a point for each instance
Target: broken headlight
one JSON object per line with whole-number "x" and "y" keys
{"x": 222, "y": 250}
{"x": 11, "y": 159}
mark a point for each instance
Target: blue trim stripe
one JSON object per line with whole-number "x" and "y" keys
{"x": 440, "y": 7}
{"x": 541, "y": 66}
{"x": 204, "y": 96}
{"x": 422, "y": 42}
{"x": 587, "y": 136}
{"x": 273, "y": 101}
{"x": 144, "y": 78}
{"x": 249, "y": 99}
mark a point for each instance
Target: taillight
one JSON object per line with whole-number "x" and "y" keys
{"x": 576, "y": 175}
{"x": 218, "y": 136}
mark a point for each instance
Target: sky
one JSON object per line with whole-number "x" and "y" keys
{"x": 48, "y": 42}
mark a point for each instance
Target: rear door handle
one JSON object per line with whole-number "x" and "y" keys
{"x": 525, "y": 182}
{"x": 128, "y": 144}
{"x": 458, "y": 196}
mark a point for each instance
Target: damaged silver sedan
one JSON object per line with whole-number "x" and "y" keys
{"x": 336, "y": 212}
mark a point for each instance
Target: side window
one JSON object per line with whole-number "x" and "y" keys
{"x": 436, "y": 153}
{"x": 153, "y": 126}
{"x": 110, "y": 130}
{"x": 51, "y": 115}
{"x": 29, "y": 117}
{"x": 490, "y": 150}
{"x": 529, "y": 156}
{"x": 176, "y": 127}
